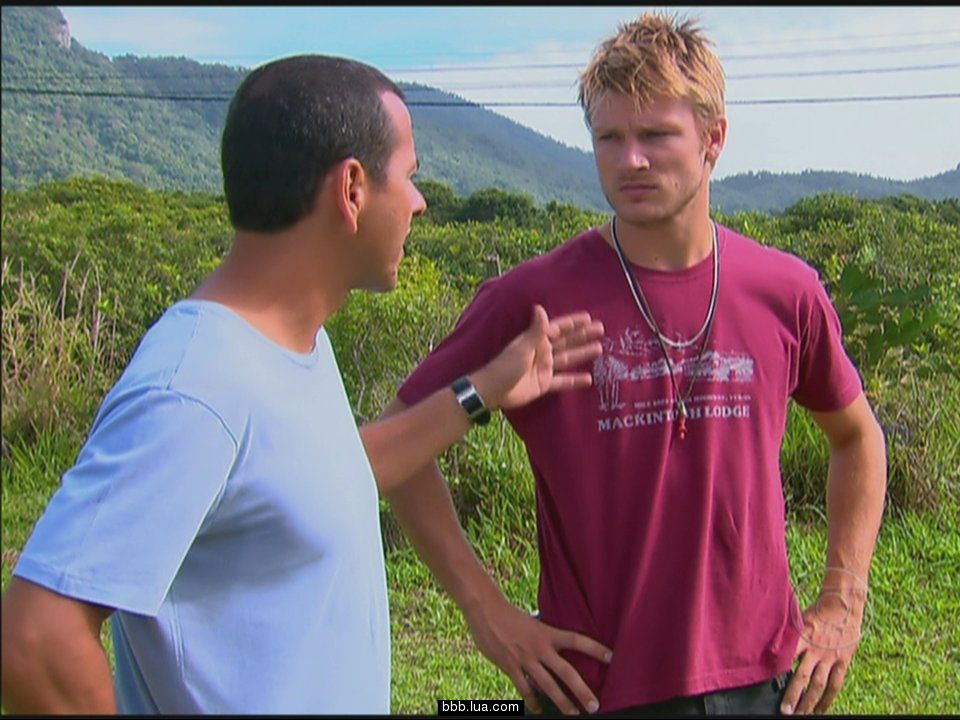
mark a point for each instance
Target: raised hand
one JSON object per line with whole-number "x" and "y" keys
{"x": 533, "y": 364}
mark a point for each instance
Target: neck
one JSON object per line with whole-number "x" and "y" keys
{"x": 673, "y": 243}
{"x": 657, "y": 247}
{"x": 277, "y": 283}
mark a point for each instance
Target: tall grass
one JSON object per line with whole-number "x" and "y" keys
{"x": 63, "y": 347}
{"x": 905, "y": 664}
{"x": 920, "y": 421}
{"x": 56, "y": 364}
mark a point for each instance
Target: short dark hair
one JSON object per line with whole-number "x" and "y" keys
{"x": 289, "y": 122}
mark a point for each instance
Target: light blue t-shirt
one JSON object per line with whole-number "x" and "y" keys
{"x": 224, "y": 504}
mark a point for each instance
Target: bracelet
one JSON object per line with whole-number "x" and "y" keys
{"x": 470, "y": 401}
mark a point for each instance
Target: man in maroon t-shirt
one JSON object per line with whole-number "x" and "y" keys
{"x": 659, "y": 499}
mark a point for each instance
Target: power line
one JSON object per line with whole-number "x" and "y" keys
{"x": 751, "y": 76}
{"x": 768, "y": 101}
{"x": 587, "y": 49}
{"x": 844, "y": 38}
{"x": 851, "y": 71}
{"x": 724, "y": 58}
{"x": 32, "y": 77}
{"x": 118, "y": 94}
{"x": 414, "y": 103}
{"x": 844, "y": 51}
{"x": 862, "y": 98}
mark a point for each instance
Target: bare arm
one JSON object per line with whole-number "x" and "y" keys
{"x": 856, "y": 485}
{"x": 524, "y": 648}
{"x": 53, "y": 662}
{"x": 529, "y": 367}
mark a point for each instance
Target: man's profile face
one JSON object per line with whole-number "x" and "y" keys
{"x": 654, "y": 160}
{"x": 393, "y": 202}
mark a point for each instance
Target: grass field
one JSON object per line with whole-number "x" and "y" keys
{"x": 906, "y": 663}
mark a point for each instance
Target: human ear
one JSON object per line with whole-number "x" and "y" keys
{"x": 350, "y": 187}
{"x": 716, "y": 136}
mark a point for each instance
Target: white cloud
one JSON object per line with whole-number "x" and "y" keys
{"x": 904, "y": 140}
{"x": 895, "y": 139}
{"x": 148, "y": 31}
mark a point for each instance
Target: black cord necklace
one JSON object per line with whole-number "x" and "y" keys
{"x": 680, "y": 400}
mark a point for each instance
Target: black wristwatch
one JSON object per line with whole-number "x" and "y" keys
{"x": 471, "y": 401}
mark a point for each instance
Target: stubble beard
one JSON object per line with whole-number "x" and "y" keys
{"x": 657, "y": 213}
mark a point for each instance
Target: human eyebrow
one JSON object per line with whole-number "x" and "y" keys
{"x": 659, "y": 128}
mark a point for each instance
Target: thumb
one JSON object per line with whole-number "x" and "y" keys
{"x": 540, "y": 321}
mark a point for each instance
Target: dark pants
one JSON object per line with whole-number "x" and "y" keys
{"x": 762, "y": 698}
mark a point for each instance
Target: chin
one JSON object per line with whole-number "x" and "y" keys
{"x": 386, "y": 284}
{"x": 642, "y": 216}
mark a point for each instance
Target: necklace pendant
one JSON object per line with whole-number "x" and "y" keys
{"x": 682, "y": 412}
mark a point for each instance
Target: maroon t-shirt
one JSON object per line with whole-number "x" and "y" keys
{"x": 670, "y": 551}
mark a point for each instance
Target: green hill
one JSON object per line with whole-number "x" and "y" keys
{"x": 170, "y": 144}
{"x": 174, "y": 143}
{"x": 773, "y": 192}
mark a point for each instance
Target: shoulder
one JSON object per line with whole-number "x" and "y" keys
{"x": 190, "y": 337}
{"x": 767, "y": 266}
{"x": 193, "y": 352}
{"x": 538, "y": 276}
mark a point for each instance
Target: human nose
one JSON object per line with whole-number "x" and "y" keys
{"x": 419, "y": 203}
{"x": 635, "y": 156}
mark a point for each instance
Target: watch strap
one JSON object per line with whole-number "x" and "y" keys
{"x": 470, "y": 401}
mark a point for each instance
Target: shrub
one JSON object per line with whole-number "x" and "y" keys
{"x": 57, "y": 365}
{"x": 89, "y": 264}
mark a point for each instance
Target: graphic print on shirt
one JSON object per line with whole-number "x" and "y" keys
{"x": 636, "y": 358}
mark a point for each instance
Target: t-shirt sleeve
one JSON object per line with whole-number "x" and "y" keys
{"x": 827, "y": 378}
{"x": 496, "y": 315}
{"x": 119, "y": 526}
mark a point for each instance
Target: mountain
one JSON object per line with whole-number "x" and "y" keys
{"x": 773, "y": 192}
{"x": 174, "y": 144}
{"x": 470, "y": 148}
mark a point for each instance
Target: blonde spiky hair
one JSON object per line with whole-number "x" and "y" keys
{"x": 656, "y": 54}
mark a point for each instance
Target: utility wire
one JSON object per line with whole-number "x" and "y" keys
{"x": 415, "y": 103}
{"x": 587, "y": 49}
{"x": 751, "y": 76}
{"x": 723, "y": 58}
{"x": 33, "y": 77}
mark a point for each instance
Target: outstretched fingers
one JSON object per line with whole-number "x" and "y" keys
{"x": 575, "y": 339}
{"x": 578, "y": 355}
{"x": 570, "y": 381}
{"x": 573, "y": 330}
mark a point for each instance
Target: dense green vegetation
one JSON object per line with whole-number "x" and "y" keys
{"x": 774, "y": 192}
{"x": 174, "y": 144}
{"x": 87, "y": 265}
{"x": 158, "y": 144}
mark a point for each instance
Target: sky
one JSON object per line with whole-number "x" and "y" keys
{"x": 517, "y": 54}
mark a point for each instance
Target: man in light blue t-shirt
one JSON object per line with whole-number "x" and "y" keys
{"x": 223, "y": 511}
